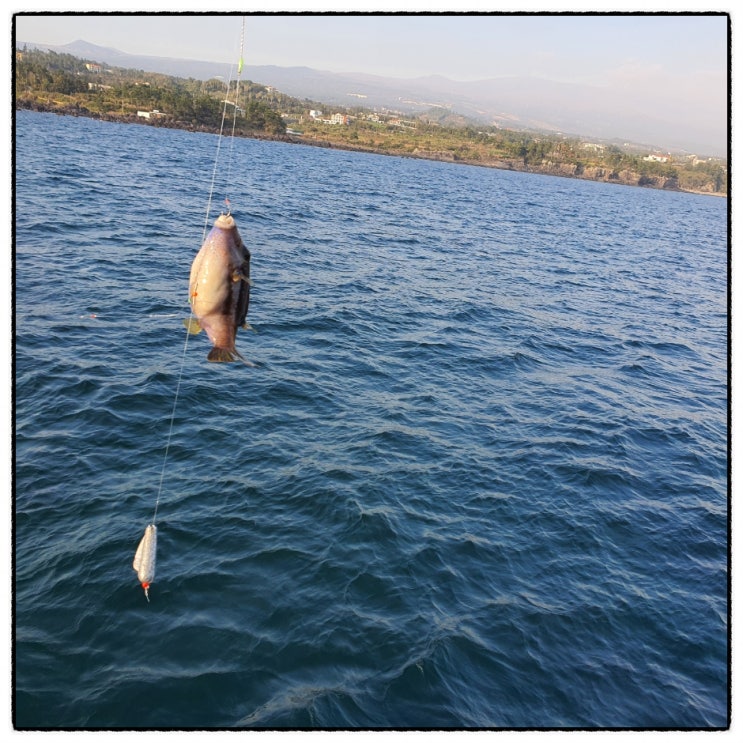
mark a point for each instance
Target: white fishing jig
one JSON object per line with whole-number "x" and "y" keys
{"x": 145, "y": 557}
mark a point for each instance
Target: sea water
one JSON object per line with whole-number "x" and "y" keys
{"x": 477, "y": 478}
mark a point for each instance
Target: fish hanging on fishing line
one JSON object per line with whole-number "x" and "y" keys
{"x": 219, "y": 289}
{"x": 145, "y": 558}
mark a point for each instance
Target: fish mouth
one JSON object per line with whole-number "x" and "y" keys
{"x": 224, "y": 222}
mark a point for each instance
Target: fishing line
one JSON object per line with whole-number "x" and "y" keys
{"x": 230, "y": 158}
{"x": 216, "y": 159}
{"x": 206, "y": 224}
{"x": 145, "y": 556}
{"x": 237, "y": 100}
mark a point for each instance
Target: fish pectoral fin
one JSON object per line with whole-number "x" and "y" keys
{"x": 239, "y": 276}
{"x": 248, "y": 326}
{"x": 192, "y": 325}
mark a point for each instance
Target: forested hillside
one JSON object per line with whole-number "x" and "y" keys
{"x": 49, "y": 81}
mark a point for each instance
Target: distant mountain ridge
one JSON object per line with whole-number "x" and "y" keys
{"x": 519, "y": 102}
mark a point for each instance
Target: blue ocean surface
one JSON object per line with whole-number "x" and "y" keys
{"x": 477, "y": 478}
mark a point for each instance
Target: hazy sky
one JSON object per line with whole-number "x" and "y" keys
{"x": 646, "y": 50}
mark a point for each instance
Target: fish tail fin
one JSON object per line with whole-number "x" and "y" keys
{"x": 227, "y": 355}
{"x": 192, "y": 326}
{"x": 220, "y": 355}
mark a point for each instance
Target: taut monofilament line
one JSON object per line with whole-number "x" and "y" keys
{"x": 237, "y": 101}
{"x": 146, "y": 553}
{"x": 235, "y": 108}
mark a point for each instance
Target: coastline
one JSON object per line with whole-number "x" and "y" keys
{"x": 561, "y": 170}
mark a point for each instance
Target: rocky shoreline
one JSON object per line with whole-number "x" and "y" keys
{"x": 562, "y": 170}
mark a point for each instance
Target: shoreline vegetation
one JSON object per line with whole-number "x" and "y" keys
{"x": 67, "y": 85}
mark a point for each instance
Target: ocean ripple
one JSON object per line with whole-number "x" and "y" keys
{"x": 477, "y": 478}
